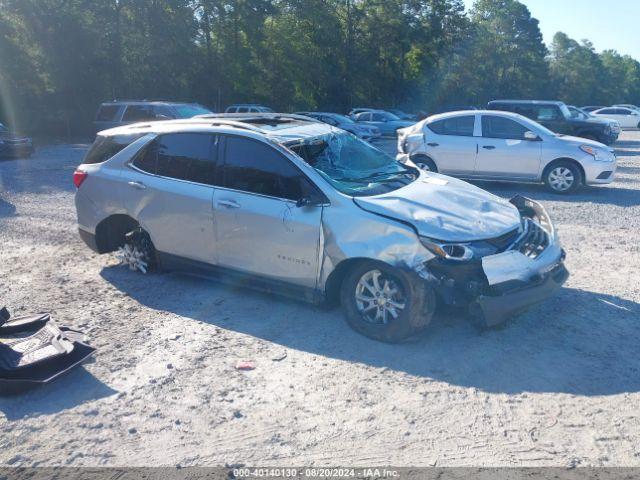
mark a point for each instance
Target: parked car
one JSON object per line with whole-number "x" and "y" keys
{"x": 626, "y": 117}
{"x": 628, "y": 105}
{"x": 581, "y": 114}
{"x": 495, "y": 145}
{"x": 403, "y": 115}
{"x": 355, "y": 111}
{"x": 307, "y": 209}
{"x": 387, "y": 122}
{"x": 557, "y": 118}
{"x": 123, "y": 112}
{"x": 248, "y": 108}
{"x": 591, "y": 108}
{"x": 14, "y": 145}
{"x": 366, "y": 132}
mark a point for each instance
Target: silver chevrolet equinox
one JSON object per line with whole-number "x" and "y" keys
{"x": 285, "y": 204}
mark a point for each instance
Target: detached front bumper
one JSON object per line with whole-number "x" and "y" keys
{"x": 511, "y": 298}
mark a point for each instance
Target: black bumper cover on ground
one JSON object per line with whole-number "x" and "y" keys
{"x": 495, "y": 310}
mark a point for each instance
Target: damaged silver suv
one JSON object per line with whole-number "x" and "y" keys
{"x": 282, "y": 203}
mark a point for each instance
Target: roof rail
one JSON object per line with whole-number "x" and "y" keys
{"x": 231, "y": 123}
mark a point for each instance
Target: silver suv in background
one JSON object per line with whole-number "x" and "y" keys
{"x": 503, "y": 146}
{"x": 123, "y": 112}
{"x": 282, "y": 203}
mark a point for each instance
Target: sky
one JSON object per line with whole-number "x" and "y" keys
{"x": 608, "y": 24}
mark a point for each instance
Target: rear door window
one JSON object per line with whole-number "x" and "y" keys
{"x": 138, "y": 113}
{"x": 107, "y": 113}
{"x": 546, "y": 113}
{"x": 500, "y": 127}
{"x": 186, "y": 156}
{"x": 255, "y": 167}
{"x": 459, "y": 126}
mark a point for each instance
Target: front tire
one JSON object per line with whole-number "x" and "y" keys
{"x": 386, "y": 303}
{"x": 425, "y": 163}
{"x": 563, "y": 177}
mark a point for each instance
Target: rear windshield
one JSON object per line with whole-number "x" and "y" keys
{"x": 106, "y": 147}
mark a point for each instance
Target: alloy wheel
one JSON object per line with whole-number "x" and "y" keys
{"x": 379, "y": 299}
{"x": 561, "y": 179}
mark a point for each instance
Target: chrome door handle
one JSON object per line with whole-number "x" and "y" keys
{"x": 138, "y": 185}
{"x": 228, "y": 204}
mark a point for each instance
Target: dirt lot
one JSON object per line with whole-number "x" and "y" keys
{"x": 560, "y": 385}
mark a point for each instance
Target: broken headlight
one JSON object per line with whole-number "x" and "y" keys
{"x": 450, "y": 251}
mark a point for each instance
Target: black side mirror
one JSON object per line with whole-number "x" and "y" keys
{"x": 307, "y": 202}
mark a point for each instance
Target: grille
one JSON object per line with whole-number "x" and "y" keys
{"x": 505, "y": 240}
{"x": 533, "y": 241}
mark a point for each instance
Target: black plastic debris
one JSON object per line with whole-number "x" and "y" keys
{"x": 34, "y": 351}
{"x": 9, "y": 325}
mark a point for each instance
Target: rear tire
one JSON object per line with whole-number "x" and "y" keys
{"x": 425, "y": 163}
{"x": 386, "y": 303}
{"x": 138, "y": 252}
{"x": 563, "y": 177}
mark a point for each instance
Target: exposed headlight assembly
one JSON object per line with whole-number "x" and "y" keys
{"x": 595, "y": 153}
{"x": 450, "y": 251}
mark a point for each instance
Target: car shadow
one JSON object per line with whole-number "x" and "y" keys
{"x": 7, "y": 209}
{"x": 72, "y": 389}
{"x": 613, "y": 194}
{"x": 578, "y": 342}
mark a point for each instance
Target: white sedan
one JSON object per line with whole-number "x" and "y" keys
{"x": 503, "y": 146}
{"x": 625, "y": 116}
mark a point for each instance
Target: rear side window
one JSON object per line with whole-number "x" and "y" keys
{"x": 254, "y": 167}
{"x": 106, "y": 147}
{"x": 137, "y": 113}
{"x": 183, "y": 156}
{"x": 107, "y": 113}
{"x": 460, "y": 126}
{"x": 499, "y": 127}
{"x": 547, "y": 113}
{"x": 607, "y": 111}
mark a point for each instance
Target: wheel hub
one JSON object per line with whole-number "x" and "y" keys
{"x": 379, "y": 299}
{"x": 561, "y": 179}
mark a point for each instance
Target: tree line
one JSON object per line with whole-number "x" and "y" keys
{"x": 60, "y": 58}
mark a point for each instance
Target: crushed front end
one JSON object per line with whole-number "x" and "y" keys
{"x": 500, "y": 277}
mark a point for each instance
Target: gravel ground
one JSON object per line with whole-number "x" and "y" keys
{"x": 560, "y": 385}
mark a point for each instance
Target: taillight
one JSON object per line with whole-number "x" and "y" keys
{"x": 78, "y": 177}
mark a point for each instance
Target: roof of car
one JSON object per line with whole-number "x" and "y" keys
{"x": 528, "y": 102}
{"x": 278, "y": 127}
{"x": 146, "y": 102}
{"x": 460, "y": 113}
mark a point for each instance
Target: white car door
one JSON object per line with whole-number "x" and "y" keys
{"x": 504, "y": 152}
{"x": 451, "y": 144}
{"x": 627, "y": 118}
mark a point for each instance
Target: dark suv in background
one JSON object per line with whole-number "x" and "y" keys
{"x": 557, "y": 117}
{"x": 122, "y": 112}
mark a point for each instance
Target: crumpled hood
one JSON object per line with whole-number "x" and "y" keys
{"x": 447, "y": 209}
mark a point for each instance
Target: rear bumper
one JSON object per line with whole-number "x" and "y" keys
{"x": 495, "y": 309}
{"x": 89, "y": 239}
